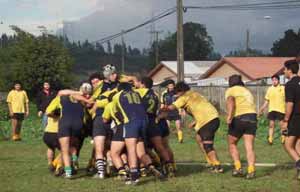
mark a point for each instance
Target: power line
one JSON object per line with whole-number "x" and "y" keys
{"x": 252, "y": 6}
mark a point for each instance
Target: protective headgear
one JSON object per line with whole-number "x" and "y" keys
{"x": 86, "y": 88}
{"x": 108, "y": 70}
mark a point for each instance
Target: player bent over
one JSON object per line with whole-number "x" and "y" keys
{"x": 206, "y": 120}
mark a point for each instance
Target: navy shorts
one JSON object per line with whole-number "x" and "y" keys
{"x": 70, "y": 128}
{"x": 274, "y": 115}
{"x": 135, "y": 129}
{"x": 18, "y": 116}
{"x": 51, "y": 140}
{"x": 173, "y": 115}
{"x": 164, "y": 128}
{"x": 118, "y": 133}
{"x": 100, "y": 128}
{"x": 153, "y": 129}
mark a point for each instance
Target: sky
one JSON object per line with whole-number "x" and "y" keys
{"x": 95, "y": 19}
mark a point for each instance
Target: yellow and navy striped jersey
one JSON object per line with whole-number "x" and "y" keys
{"x": 150, "y": 100}
{"x": 129, "y": 104}
{"x": 70, "y": 108}
{"x": 111, "y": 113}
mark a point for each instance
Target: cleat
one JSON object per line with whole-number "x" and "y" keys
{"x": 59, "y": 171}
{"x": 122, "y": 175}
{"x": 238, "y": 173}
{"x": 217, "y": 169}
{"x": 156, "y": 173}
{"x": 170, "y": 172}
{"x": 143, "y": 172}
{"x": 298, "y": 174}
{"x": 67, "y": 176}
{"x": 51, "y": 168}
{"x": 270, "y": 141}
{"x": 132, "y": 182}
{"x": 99, "y": 176}
{"x": 250, "y": 176}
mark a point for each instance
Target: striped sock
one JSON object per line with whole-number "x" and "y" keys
{"x": 100, "y": 165}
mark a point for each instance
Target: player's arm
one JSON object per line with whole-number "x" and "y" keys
{"x": 230, "y": 106}
{"x": 67, "y": 92}
{"x": 9, "y": 100}
{"x": 289, "y": 99}
{"x": 192, "y": 124}
{"x": 263, "y": 107}
{"x": 53, "y": 106}
{"x": 26, "y": 104}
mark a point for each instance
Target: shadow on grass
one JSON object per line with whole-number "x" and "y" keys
{"x": 269, "y": 171}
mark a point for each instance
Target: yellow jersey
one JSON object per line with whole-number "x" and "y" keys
{"x": 52, "y": 125}
{"x": 198, "y": 106}
{"x": 18, "y": 100}
{"x": 110, "y": 113}
{"x": 244, "y": 100}
{"x": 276, "y": 98}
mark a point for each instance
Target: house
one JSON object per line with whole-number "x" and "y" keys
{"x": 250, "y": 68}
{"x": 168, "y": 70}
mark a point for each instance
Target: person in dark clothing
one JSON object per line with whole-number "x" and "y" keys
{"x": 292, "y": 115}
{"x": 44, "y": 98}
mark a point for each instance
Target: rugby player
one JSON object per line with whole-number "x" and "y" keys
{"x": 151, "y": 103}
{"x": 292, "y": 115}
{"x": 130, "y": 105}
{"x": 242, "y": 122}
{"x": 18, "y": 105}
{"x": 70, "y": 125}
{"x": 50, "y": 138}
{"x": 206, "y": 120}
{"x": 275, "y": 99}
{"x": 167, "y": 98}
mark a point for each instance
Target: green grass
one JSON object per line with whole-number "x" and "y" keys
{"x": 23, "y": 167}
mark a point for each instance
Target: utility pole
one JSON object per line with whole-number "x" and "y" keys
{"x": 247, "y": 42}
{"x": 180, "y": 51}
{"x": 123, "y": 52}
{"x": 156, "y": 33}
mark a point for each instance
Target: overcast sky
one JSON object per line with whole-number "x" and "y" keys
{"x": 95, "y": 19}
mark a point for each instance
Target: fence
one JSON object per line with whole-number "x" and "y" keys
{"x": 216, "y": 94}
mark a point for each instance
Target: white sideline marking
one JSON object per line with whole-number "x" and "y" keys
{"x": 230, "y": 164}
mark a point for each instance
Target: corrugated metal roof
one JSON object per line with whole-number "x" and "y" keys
{"x": 193, "y": 68}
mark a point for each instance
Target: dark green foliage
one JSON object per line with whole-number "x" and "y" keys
{"x": 288, "y": 46}
{"x": 33, "y": 60}
{"x": 249, "y": 53}
{"x": 198, "y": 45}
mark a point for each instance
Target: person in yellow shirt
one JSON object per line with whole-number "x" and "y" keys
{"x": 206, "y": 119}
{"x": 242, "y": 122}
{"x": 50, "y": 138}
{"x": 18, "y": 105}
{"x": 275, "y": 99}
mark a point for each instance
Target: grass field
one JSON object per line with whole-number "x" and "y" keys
{"x": 23, "y": 167}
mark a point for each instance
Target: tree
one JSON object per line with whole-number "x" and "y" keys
{"x": 288, "y": 46}
{"x": 250, "y": 53}
{"x": 198, "y": 45}
{"x": 33, "y": 60}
